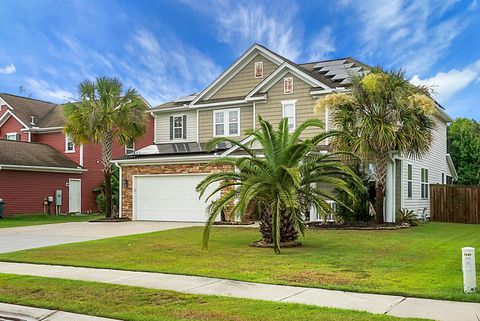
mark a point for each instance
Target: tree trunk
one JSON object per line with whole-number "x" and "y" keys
{"x": 380, "y": 182}
{"x": 288, "y": 233}
{"x": 107, "y": 171}
{"x": 266, "y": 227}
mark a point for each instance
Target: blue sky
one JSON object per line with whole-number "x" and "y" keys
{"x": 167, "y": 49}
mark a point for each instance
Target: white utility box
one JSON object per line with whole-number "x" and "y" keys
{"x": 468, "y": 268}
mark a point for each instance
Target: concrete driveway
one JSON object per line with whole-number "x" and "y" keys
{"x": 29, "y": 237}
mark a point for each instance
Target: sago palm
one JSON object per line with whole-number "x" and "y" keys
{"x": 286, "y": 177}
{"x": 104, "y": 115}
{"x": 384, "y": 114}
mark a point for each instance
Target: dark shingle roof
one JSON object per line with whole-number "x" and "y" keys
{"x": 46, "y": 114}
{"x": 333, "y": 73}
{"x": 32, "y": 154}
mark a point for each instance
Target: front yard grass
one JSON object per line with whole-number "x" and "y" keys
{"x": 140, "y": 304}
{"x": 424, "y": 261}
{"x": 39, "y": 219}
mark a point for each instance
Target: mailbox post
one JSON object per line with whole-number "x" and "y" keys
{"x": 468, "y": 268}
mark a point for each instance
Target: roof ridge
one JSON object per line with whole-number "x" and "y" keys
{"x": 30, "y": 98}
{"x": 326, "y": 60}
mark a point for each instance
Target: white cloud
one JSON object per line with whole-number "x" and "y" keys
{"x": 46, "y": 91}
{"x": 413, "y": 34}
{"x": 8, "y": 69}
{"x": 240, "y": 23}
{"x": 447, "y": 84}
{"x": 322, "y": 45}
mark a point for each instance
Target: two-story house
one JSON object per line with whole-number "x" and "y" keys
{"x": 158, "y": 181}
{"x": 37, "y": 158}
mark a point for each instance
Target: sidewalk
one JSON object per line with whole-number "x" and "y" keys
{"x": 23, "y": 313}
{"x": 375, "y": 303}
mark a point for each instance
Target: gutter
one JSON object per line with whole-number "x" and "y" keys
{"x": 42, "y": 130}
{"x": 42, "y": 169}
{"x": 165, "y": 160}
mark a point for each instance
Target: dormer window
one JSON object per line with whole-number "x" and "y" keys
{"x": 258, "y": 69}
{"x": 288, "y": 85}
{"x": 69, "y": 145}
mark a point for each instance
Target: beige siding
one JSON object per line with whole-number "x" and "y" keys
{"x": 304, "y": 109}
{"x": 205, "y": 123}
{"x": 243, "y": 82}
{"x": 162, "y": 126}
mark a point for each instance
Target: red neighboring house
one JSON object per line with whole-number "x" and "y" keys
{"x": 27, "y": 178}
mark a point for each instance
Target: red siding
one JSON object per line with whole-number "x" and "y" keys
{"x": 92, "y": 162}
{"x": 13, "y": 126}
{"x": 37, "y": 185}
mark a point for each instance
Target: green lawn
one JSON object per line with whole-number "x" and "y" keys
{"x": 423, "y": 261}
{"x": 140, "y": 304}
{"x": 38, "y": 219}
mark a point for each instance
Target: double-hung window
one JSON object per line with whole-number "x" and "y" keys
{"x": 226, "y": 122}
{"x": 130, "y": 148}
{"x": 424, "y": 183}
{"x": 409, "y": 181}
{"x": 178, "y": 127}
{"x": 69, "y": 144}
{"x": 288, "y": 112}
{"x": 11, "y": 136}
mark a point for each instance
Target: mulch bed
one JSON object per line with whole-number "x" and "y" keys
{"x": 234, "y": 223}
{"x": 357, "y": 226}
{"x": 109, "y": 220}
{"x": 270, "y": 245}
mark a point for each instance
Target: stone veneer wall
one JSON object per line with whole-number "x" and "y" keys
{"x": 129, "y": 171}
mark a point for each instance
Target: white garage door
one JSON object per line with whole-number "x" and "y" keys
{"x": 169, "y": 198}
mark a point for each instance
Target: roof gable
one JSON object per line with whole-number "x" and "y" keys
{"x": 45, "y": 114}
{"x": 239, "y": 64}
{"x": 285, "y": 68}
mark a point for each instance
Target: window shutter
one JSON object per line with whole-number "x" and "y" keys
{"x": 184, "y": 126}
{"x": 171, "y": 127}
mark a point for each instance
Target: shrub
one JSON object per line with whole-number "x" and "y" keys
{"x": 407, "y": 216}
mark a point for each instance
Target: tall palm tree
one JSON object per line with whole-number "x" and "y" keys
{"x": 106, "y": 114}
{"x": 383, "y": 113}
{"x": 285, "y": 177}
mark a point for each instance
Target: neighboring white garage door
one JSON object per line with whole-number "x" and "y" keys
{"x": 168, "y": 198}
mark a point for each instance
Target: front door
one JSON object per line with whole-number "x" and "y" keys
{"x": 74, "y": 195}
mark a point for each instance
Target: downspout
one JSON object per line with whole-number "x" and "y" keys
{"x": 391, "y": 187}
{"x": 120, "y": 189}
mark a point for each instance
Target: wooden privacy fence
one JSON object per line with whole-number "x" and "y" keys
{"x": 455, "y": 203}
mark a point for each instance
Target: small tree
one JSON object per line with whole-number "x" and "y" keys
{"x": 284, "y": 178}
{"x": 104, "y": 115}
{"x": 464, "y": 147}
{"x": 383, "y": 113}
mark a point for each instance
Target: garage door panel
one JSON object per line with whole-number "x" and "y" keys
{"x": 169, "y": 198}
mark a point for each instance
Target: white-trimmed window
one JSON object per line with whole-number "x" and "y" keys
{"x": 258, "y": 72}
{"x": 409, "y": 181}
{"x": 288, "y": 111}
{"x": 69, "y": 145}
{"x": 178, "y": 127}
{"x": 424, "y": 183}
{"x": 130, "y": 148}
{"x": 226, "y": 122}
{"x": 11, "y": 136}
{"x": 288, "y": 85}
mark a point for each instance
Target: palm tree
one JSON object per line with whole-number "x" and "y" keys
{"x": 106, "y": 114}
{"x": 383, "y": 113}
{"x": 281, "y": 178}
